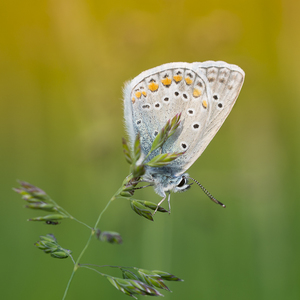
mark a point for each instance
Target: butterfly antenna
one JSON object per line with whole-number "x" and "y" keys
{"x": 211, "y": 197}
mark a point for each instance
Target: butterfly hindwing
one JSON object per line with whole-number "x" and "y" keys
{"x": 225, "y": 82}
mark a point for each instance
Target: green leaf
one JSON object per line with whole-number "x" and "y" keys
{"x": 152, "y": 279}
{"x": 159, "y": 140}
{"x": 109, "y": 236}
{"x": 141, "y": 210}
{"x": 167, "y": 131}
{"x": 42, "y": 206}
{"x": 32, "y": 190}
{"x": 49, "y": 237}
{"x": 129, "y": 183}
{"x": 137, "y": 148}
{"x": 30, "y": 199}
{"x": 145, "y": 288}
{"x": 157, "y": 282}
{"x": 163, "y": 159}
{"x": 126, "y": 194}
{"x": 144, "y": 272}
{"x": 49, "y": 218}
{"x": 152, "y": 205}
{"x": 60, "y": 254}
{"x": 119, "y": 287}
{"x": 40, "y": 245}
{"x": 167, "y": 276}
{"x": 175, "y": 122}
{"x": 131, "y": 286}
{"x": 126, "y": 151}
{"x": 138, "y": 170}
{"x": 130, "y": 275}
{"x": 50, "y": 246}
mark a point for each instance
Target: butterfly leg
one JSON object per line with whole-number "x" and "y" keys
{"x": 161, "y": 201}
{"x": 169, "y": 202}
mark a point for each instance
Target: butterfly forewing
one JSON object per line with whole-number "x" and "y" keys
{"x": 157, "y": 95}
{"x": 161, "y": 95}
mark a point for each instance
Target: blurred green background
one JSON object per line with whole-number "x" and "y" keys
{"x": 62, "y": 69}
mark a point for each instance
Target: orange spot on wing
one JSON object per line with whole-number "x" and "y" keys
{"x": 188, "y": 80}
{"x": 132, "y": 99}
{"x": 197, "y": 93}
{"x": 166, "y": 81}
{"x": 138, "y": 94}
{"x": 153, "y": 87}
{"x": 204, "y": 103}
{"x": 177, "y": 78}
{"x": 144, "y": 93}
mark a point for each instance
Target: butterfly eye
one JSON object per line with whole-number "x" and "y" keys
{"x": 182, "y": 182}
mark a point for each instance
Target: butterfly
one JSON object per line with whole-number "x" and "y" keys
{"x": 202, "y": 92}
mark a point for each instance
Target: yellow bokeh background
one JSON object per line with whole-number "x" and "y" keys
{"x": 63, "y": 65}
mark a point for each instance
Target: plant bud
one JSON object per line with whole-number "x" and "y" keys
{"x": 141, "y": 210}
{"x": 60, "y": 254}
{"x": 49, "y": 218}
{"x": 167, "y": 276}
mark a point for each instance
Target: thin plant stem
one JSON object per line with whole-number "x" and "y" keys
{"x": 103, "y": 266}
{"x": 84, "y": 266}
{"x": 69, "y": 282}
{"x": 53, "y": 202}
{"x": 72, "y": 259}
{"x": 63, "y": 211}
{"x": 80, "y": 222}
{"x": 87, "y": 244}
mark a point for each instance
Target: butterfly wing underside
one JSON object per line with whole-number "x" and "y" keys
{"x": 203, "y": 93}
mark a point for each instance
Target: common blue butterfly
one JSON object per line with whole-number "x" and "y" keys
{"x": 204, "y": 93}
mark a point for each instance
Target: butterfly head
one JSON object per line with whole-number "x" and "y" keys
{"x": 163, "y": 183}
{"x": 181, "y": 184}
